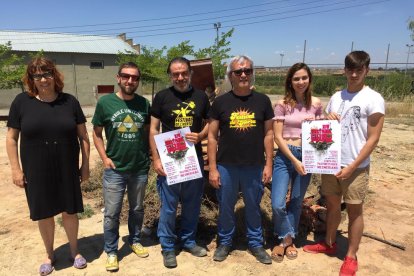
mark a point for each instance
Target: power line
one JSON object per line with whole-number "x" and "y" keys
{"x": 228, "y": 26}
{"x": 154, "y": 19}
{"x": 214, "y": 19}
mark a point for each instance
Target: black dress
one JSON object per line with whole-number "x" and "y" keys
{"x": 49, "y": 153}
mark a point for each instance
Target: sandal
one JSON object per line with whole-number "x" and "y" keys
{"x": 278, "y": 253}
{"x": 291, "y": 252}
{"x": 46, "y": 269}
{"x": 79, "y": 262}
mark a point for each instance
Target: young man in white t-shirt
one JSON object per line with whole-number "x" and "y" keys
{"x": 360, "y": 110}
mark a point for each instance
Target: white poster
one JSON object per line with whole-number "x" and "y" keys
{"x": 178, "y": 156}
{"x": 321, "y": 146}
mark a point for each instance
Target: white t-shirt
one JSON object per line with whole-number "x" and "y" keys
{"x": 354, "y": 110}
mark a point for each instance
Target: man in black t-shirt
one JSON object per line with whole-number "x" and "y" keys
{"x": 176, "y": 107}
{"x": 244, "y": 120}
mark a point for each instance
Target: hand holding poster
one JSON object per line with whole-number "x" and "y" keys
{"x": 178, "y": 156}
{"x": 321, "y": 146}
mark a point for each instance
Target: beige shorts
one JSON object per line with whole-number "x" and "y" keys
{"x": 354, "y": 189}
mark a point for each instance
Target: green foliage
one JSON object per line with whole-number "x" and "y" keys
{"x": 181, "y": 50}
{"x": 39, "y": 54}
{"x": 217, "y": 52}
{"x": 327, "y": 84}
{"x": 87, "y": 213}
{"x": 411, "y": 28}
{"x": 392, "y": 85}
{"x": 11, "y": 68}
{"x": 153, "y": 62}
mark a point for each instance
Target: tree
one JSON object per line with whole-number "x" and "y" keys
{"x": 181, "y": 50}
{"x": 153, "y": 62}
{"x": 11, "y": 68}
{"x": 411, "y": 28}
{"x": 217, "y": 52}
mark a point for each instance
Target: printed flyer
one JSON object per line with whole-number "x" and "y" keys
{"x": 321, "y": 146}
{"x": 178, "y": 156}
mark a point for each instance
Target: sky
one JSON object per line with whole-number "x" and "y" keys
{"x": 272, "y": 33}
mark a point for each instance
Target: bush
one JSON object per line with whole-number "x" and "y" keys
{"x": 87, "y": 213}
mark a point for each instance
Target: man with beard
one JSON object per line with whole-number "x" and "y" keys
{"x": 125, "y": 117}
{"x": 243, "y": 118}
{"x": 176, "y": 107}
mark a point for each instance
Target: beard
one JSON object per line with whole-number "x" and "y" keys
{"x": 182, "y": 86}
{"x": 128, "y": 90}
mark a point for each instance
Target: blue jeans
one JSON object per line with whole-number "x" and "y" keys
{"x": 114, "y": 186}
{"x": 248, "y": 180}
{"x": 189, "y": 193}
{"x": 286, "y": 220}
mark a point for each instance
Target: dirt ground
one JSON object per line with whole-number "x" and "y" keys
{"x": 388, "y": 214}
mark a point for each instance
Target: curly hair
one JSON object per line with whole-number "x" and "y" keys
{"x": 45, "y": 65}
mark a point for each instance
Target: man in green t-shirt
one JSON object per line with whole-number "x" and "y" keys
{"x": 124, "y": 116}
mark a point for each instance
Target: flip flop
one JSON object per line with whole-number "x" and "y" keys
{"x": 79, "y": 262}
{"x": 46, "y": 269}
{"x": 278, "y": 253}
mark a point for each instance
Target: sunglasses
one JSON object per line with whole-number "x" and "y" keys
{"x": 38, "y": 77}
{"x": 127, "y": 77}
{"x": 246, "y": 71}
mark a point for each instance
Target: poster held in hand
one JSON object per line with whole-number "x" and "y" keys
{"x": 178, "y": 156}
{"x": 321, "y": 146}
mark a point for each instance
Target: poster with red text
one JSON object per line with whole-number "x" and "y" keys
{"x": 178, "y": 156}
{"x": 321, "y": 146}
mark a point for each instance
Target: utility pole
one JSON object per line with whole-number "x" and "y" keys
{"x": 352, "y": 46}
{"x": 386, "y": 61}
{"x": 304, "y": 52}
{"x": 281, "y": 63}
{"x": 217, "y": 26}
{"x": 408, "y": 57}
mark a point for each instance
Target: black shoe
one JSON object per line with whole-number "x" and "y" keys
{"x": 169, "y": 259}
{"x": 197, "y": 251}
{"x": 221, "y": 252}
{"x": 261, "y": 255}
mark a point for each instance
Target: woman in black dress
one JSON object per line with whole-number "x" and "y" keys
{"x": 52, "y": 131}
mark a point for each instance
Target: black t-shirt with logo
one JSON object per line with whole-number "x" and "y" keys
{"x": 176, "y": 110}
{"x": 241, "y": 125}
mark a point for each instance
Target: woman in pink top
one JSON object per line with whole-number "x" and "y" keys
{"x": 297, "y": 105}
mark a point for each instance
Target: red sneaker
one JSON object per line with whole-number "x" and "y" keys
{"x": 349, "y": 267}
{"x": 320, "y": 247}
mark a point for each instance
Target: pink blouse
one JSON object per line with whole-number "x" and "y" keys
{"x": 293, "y": 117}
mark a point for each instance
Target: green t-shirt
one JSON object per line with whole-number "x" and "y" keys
{"x": 124, "y": 123}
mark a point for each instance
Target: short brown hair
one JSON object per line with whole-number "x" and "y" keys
{"x": 129, "y": 64}
{"x": 45, "y": 65}
{"x": 357, "y": 59}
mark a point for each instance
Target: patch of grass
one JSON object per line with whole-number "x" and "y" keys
{"x": 400, "y": 109}
{"x": 87, "y": 213}
{"x": 94, "y": 183}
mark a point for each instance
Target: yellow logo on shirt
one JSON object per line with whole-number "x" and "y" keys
{"x": 242, "y": 120}
{"x": 184, "y": 114}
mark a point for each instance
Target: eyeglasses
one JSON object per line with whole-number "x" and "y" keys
{"x": 246, "y": 71}
{"x": 38, "y": 77}
{"x": 176, "y": 75}
{"x": 296, "y": 79}
{"x": 127, "y": 77}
